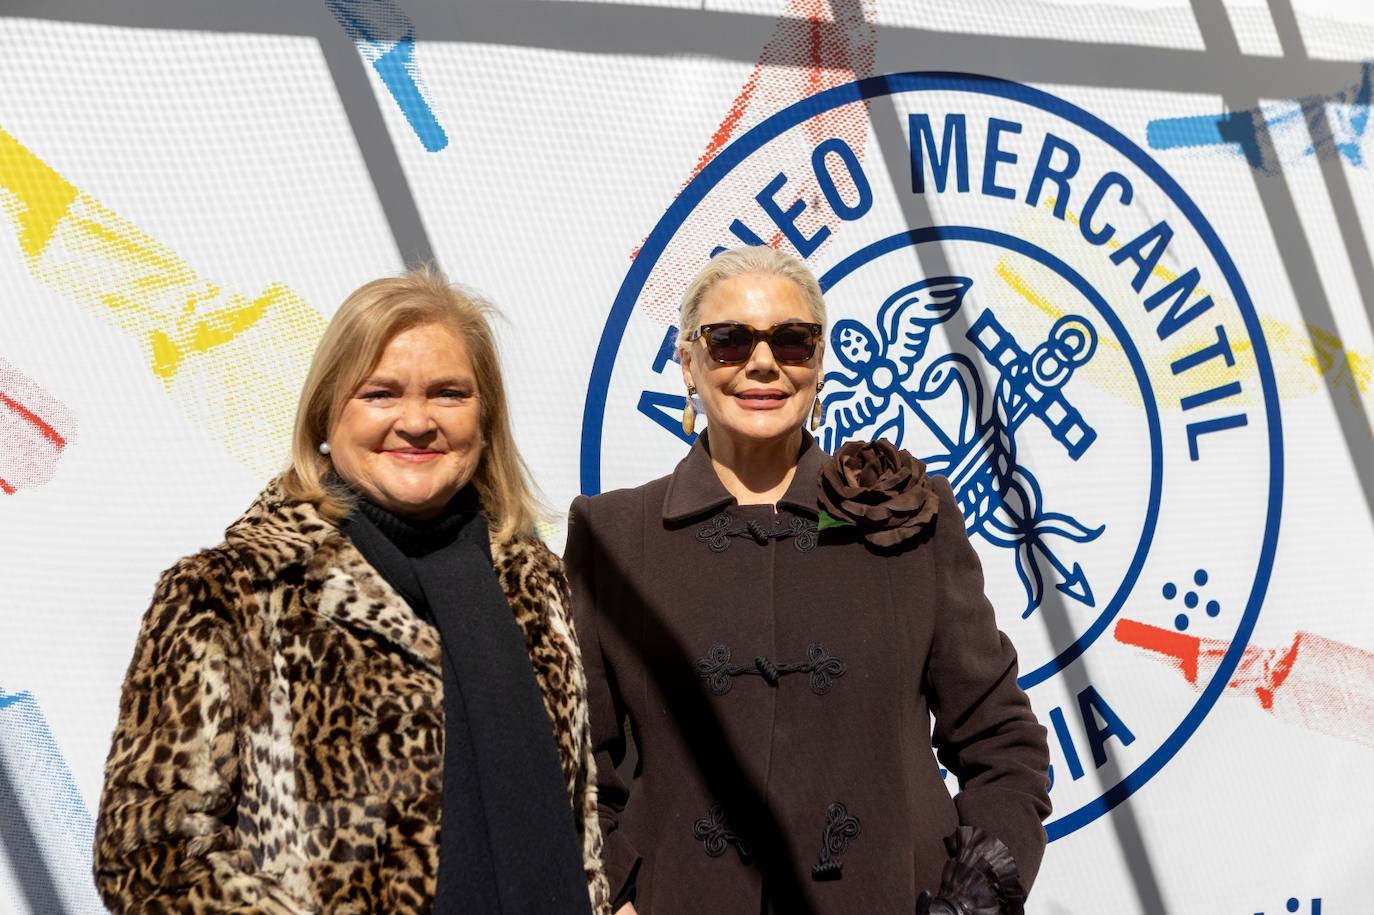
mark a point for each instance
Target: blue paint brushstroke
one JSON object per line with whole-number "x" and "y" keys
{"x": 1174, "y": 133}
{"x": 7, "y": 701}
{"x": 1347, "y": 110}
{"x": 50, "y": 802}
{"x": 385, "y": 37}
{"x": 397, "y": 70}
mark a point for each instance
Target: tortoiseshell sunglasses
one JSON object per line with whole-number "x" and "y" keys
{"x": 731, "y": 343}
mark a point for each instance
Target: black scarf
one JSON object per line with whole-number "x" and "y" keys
{"x": 507, "y": 842}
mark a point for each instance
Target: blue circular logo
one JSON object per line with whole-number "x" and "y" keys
{"x": 1066, "y": 339}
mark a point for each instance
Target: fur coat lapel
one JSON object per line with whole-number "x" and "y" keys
{"x": 282, "y": 536}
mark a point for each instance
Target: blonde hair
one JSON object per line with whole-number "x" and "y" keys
{"x": 350, "y": 349}
{"x": 753, "y": 259}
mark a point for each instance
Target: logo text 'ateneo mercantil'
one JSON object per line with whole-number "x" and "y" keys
{"x": 1087, "y": 338}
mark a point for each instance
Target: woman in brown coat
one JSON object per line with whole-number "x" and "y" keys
{"x": 777, "y": 629}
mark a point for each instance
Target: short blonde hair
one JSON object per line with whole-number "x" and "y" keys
{"x": 752, "y": 259}
{"x": 350, "y": 349}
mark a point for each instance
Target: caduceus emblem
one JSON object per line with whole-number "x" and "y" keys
{"x": 884, "y": 383}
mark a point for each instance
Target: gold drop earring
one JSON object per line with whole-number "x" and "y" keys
{"x": 817, "y": 409}
{"x": 689, "y": 413}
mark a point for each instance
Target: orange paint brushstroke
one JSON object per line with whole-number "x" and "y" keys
{"x": 1315, "y": 682}
{"x": 1181, "y": 648}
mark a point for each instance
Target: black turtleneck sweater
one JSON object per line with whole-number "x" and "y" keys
{"x": 507, "y": 840}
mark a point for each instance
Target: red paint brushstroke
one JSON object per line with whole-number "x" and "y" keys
{"x": 33, "y": 419}
{"x": 1277, "y": 674}
{"x": 810, "y": 51}
{"x": 1316, "y": 682}
{"x": 726, "y": 130}
{"x": 814, "y": 83}
{"x": 35, "y": 428}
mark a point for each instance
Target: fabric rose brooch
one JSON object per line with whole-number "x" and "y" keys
{"x": 882, "y": 492}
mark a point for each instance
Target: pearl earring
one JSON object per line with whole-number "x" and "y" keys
{"x": 324, "y": 448}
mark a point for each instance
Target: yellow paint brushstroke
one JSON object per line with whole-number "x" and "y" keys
{"x": 1325, "y": 357}
{"x": 1159, "y": 271}
{"x": 549, "y": 531}
{"x": 1021, "y": 287}
{"x": 1120, "y": 385}
{"x": 233, "y": 364}
{"x": 42, "y": 195}
{"x": 1306, "y": 357}
{"x": 1289, "y": 348}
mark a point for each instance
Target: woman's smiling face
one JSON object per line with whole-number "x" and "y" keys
{"x": 410, "y": 436}
{"x": 760, "y": 399}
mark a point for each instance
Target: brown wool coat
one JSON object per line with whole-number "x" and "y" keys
{"x": 280, "y": 738}
{"x": 780, "y": 695}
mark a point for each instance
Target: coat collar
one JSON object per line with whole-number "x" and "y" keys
{"x": 694, "y": 489}
{"x": 278, "y": 534}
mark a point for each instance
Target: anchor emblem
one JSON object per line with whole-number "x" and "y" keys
{"x": 879, "y": 389}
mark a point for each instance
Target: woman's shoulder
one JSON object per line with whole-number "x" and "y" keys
{"x": 273, "y": 533}
{"x": 196, "y": 595}
{"x": 531, "y": 576}
{"x": 525, "y": 551}
{"x": 622, "y": 503}
{"x": 278, "y": 531}
{"x": 204, "y": 569}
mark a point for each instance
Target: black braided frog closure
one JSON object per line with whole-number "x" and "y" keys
{"x": 715, "y": 835}
{"x": 840, "y": 829}
{"x": 717, "y": 532}
{"x": 715, "y": 668}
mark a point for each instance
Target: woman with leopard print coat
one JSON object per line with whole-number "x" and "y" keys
{"x": 369, "y": 696}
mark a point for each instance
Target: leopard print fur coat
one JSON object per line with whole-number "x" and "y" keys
{"x": 280, "y": 738}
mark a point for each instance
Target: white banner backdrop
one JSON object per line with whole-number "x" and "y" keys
{"x": 1107, "y": 265}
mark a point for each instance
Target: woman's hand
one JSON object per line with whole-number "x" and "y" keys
{"x": 979, "y": 879}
